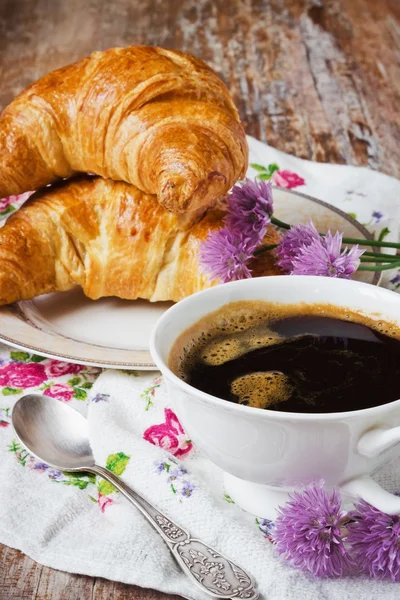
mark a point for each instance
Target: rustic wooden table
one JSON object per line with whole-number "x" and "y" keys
{"x": 316, "y": 78}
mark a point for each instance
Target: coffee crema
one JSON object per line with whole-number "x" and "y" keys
{"x": 294, "y": 358}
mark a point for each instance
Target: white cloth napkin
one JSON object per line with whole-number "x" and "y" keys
{"x": 84, "y": 526}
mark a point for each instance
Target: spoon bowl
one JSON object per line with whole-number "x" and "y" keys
{"x": 53, "y": 432}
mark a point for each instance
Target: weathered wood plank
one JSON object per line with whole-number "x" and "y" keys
{"x": 19, "y": 575}
{"x": 105, "y": 590}
{"x": 23, "y": 579}
{"x": 320, "y": 79}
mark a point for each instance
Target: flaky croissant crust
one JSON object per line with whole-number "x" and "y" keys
{"x": 159, "y": 119}
{"x": 109, "y": 238}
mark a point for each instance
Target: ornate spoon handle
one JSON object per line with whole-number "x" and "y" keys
{"x": 206, "y": 567}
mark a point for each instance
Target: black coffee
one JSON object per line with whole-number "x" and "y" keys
{"x": 319, "y": 361}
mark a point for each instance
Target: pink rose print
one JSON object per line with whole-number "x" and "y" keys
{"x": 22, "y": 375}
{"x": 60, "y": 391}
{"x": 169, "y": 435}
{"x": 287, "y": 179}
{"x": 104, "y": 501}
{"x": 6, "y": 202}
{"x": 55, "y": 368}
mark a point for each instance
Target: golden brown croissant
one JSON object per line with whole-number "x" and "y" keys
{"x": 158, "y": 119}
{"x": 108, "y": 237}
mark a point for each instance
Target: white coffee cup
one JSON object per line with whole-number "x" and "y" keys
{"x": 266, "y": 454}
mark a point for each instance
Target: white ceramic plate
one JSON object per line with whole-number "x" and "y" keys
{"x": 115, "y": 333}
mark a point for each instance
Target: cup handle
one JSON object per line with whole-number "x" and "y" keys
{"x": 377, "y": 440}
{"x": 373, "y": 443}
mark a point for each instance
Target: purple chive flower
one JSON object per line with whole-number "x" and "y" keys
{"x": 289, "y": 246}
{"x": 375, "y": 541}
{"x": 310, "y": 531}
{"x": 377, "y": 215}
{"x": 225, "y": 254}
{"x": 303, "y": 251}
{"x": 187, "y": 489}
{"x": 251, "y": 206}
{"x": 323, "y": 257}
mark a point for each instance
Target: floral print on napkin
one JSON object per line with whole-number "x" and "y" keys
{"x": 116, "y": 463}
{"x": 12, "y": 203}
{"x": 280, "y": 177}
{"x": 169, "y": 435}
{"x": 25, "y": 459}
{"x": 21, "y": 372}
{"x": 176, "y": 477}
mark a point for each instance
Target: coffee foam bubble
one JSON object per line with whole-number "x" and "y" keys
{"x": 238, "y": 327}
{"x": 221, "y": 350}
{"x": 262, "y": 388}
{"x": 220, "y": 337}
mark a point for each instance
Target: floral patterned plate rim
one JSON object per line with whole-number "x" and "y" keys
{"x": 115, "y": 333}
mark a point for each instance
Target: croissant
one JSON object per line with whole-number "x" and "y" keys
{"x": 109, "y": 238}
{"x": 158, "y": 119}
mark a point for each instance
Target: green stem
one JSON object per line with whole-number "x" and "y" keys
{"x": 393, "y": 265}
{"x": 371, "y": 243}
{"x": 381, "y": 254}
{"x": 280, "y": 223}
{"x": 366, "y": 257}
{"x": 364, "y": 242}
{"x": 264, "y": 249}
{"x": 378, "y": 259}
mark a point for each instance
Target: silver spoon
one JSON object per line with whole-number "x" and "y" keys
{"x": 58, "y": 435}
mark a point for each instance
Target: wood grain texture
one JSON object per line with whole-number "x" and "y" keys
{"x": 23, "y": 579}
{"x": 316, "y": 78}
{"x": 320, "y": 79}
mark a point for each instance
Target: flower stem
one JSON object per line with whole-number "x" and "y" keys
{"x": 371, "y": 243}
{"x": 280, "y": 223}
{"x": 375, "y": 256}
{"x": 378, "y": 259}
{"x": 262, "y": 249}
{"x": 392, "y": 265}
{"x": 381, "y": 255}
{"x": 364, "y": 242}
